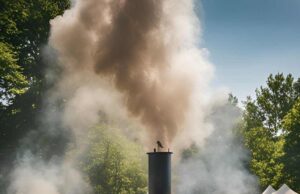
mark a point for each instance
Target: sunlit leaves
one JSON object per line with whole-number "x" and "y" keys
{"x": 291, "y": 124}
{"x": 12, "y": 81}
{"x": 269, "y": 130}
{"x": 115, "y": 165}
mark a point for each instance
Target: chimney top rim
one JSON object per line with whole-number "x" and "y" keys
{"x": 159, "y": 153}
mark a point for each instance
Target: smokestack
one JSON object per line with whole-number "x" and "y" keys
{"x": 159, "y": 172}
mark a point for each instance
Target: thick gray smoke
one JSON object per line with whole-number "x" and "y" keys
{"x": 137, "y": 62}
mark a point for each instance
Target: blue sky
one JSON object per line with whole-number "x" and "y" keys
{"x": 249, "y": 39}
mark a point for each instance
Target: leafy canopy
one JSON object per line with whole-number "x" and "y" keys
{"x": 115, "y": 165}
{"x": 12, "y": 81}
{"x": 266, "y": 129}
{"x": 291, "y": 159}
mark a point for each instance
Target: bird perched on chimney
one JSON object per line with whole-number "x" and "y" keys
{"x": 159, "y": 145}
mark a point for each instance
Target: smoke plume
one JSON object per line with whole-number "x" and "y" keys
{"x": 147, "y": 50}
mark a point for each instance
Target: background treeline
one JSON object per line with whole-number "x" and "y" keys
{"x": 271, "y": 130}
{"x": 24, "y": 30}
{"x": 270, "y": 125}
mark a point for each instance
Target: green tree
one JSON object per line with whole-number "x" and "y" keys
{"x": 24, "y": 29}
{"x": 25, "y": 25}
{"x": 291, "y": 159}
{"x": 263, "y": 129}
{"x": 272, "y": 103}
{"x": 12, "y": 81}
{"x": 266, "y": 154}
{"x": 232, "y": 100}
{"x": 276, "y": 100}
{"x": 114, "y": 164}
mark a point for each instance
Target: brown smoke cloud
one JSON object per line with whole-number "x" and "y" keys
{"x": 130, "y": 43}
{"x": 134, "y": 55}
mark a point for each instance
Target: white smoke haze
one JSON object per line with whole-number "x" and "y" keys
{"x": 33, "y": 176}
{"x": 136, "y": 63}
{"x": 219, "y": 165}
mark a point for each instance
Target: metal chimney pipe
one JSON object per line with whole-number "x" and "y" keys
{"x": 159, "y": 172}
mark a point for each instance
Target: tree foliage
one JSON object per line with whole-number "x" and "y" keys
{"x": 272, "y": 103}
{"x": 12, "y": 81}
{"x": 25, "y": 26}
{"x": 291, "y": 159}
{"x": 114, "y": 164}
{"x": 266, "y": 130}
{"x": 24, "y": 29}
{"x": 266, "y": 154}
